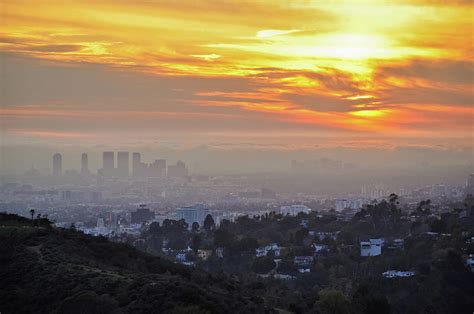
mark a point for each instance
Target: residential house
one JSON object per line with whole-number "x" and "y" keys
{"x": 398, "y": 274}
{"x": 398, "y": 243}
{"x": 323, "y": 235}
{"x": 303, "y": 260}
{"x": 320, "y": 248}
{"x": 204, "y": 254}
{"x": 220, "y": 252}
{"x": 373, "y": 247}
{"x": 181, "y": 256}
{"x": 263, "y": 251}
{"x": 470, "y": 262}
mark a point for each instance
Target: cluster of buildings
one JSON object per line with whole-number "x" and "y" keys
{"x": 121, "y": 168}
{"x": 294, "y": 210}
{"x": 355, "y": 204}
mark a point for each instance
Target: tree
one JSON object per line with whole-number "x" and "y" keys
{"x": 209, "y": 223}
{"x": 365, "y": 302}
{"x": 246, "y": 244}
{"x": 195, "y": 227}
{"x": 195, "y": 243}
{"x": 424, "y": 207}
{"x": 393, "y": 198}
{"x": 287, "y": 267}
{"x": 32, "y": 213}
{"x": 223, "y": 238}
{"x": 300, "y": 235}
{"x": 332, "y": 302}
{"x": 154, "y": 228}
{"x": 263, "y": 265}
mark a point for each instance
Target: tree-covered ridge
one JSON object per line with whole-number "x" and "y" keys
{"x": 47, "y": 270}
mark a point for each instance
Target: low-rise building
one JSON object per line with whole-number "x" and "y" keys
{"x": 398, "y": 243}
{"x": 470, "y": 262}
{"x": 320, "y": 248}
{"x": 398, "y": 274}
{"x": 264, "y": 250}
{"x": 204, "y": 254}
{"x": 181, "y": 256}
{"x": 373, "y": 247}
{"x": 323, "y": 235}
{"x": 348, "y": 204}
{"x": 303, "y": 260}
{"x": 220, "y": 252}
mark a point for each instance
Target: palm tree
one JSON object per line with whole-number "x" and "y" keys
{"x": 32, "y": 212}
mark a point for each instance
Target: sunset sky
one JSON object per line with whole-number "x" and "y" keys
{"x": 398, "y": 71}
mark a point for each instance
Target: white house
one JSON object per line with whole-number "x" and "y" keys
{"x": 294, "y": 210}
{"x": 181, "y": 256}
{"x": 398, "y": 274}
{"x": 470, "y": 262}
{"x": 320, "y": 248}
{"x": 373, "y": 247}
{"x": 263, "y": 251}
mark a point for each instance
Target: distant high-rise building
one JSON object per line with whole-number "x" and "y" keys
{"x": 161, "y": 164}
{"x": 470, "y": 184}
{"x": 84, "y": 164}
{"x": 108, "y": 164}
{"x": 57, "y": 164}
{"x": 178, "y": 170}
{"x": 157, "y": 168}
{"x": 136, "y": 164}
{"x": 123, "y": 164}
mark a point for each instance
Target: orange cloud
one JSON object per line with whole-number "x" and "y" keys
{"x": 371, "y": 66}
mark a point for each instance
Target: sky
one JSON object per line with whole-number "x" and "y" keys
{"x": 289, "y": 73}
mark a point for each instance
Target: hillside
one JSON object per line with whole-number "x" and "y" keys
{"x": 48, "y": 270}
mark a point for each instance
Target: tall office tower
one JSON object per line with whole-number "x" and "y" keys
{"x": 84, "y": 164}
{"x": 470, "y": 184}
{"x": 179, "y": 170}
{"x": 157, "y": 168}
{"x": 57, "y": 164}
{"x": 123, "y": 164}
{"x": 136, "y": 162}
{"x": 108, "y": 164}
{"x": 161, "y": 164}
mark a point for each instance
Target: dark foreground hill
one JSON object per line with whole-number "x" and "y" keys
{"x": 48, "y": 270}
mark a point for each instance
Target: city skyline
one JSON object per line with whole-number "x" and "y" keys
{"x": 121, "y": 168}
